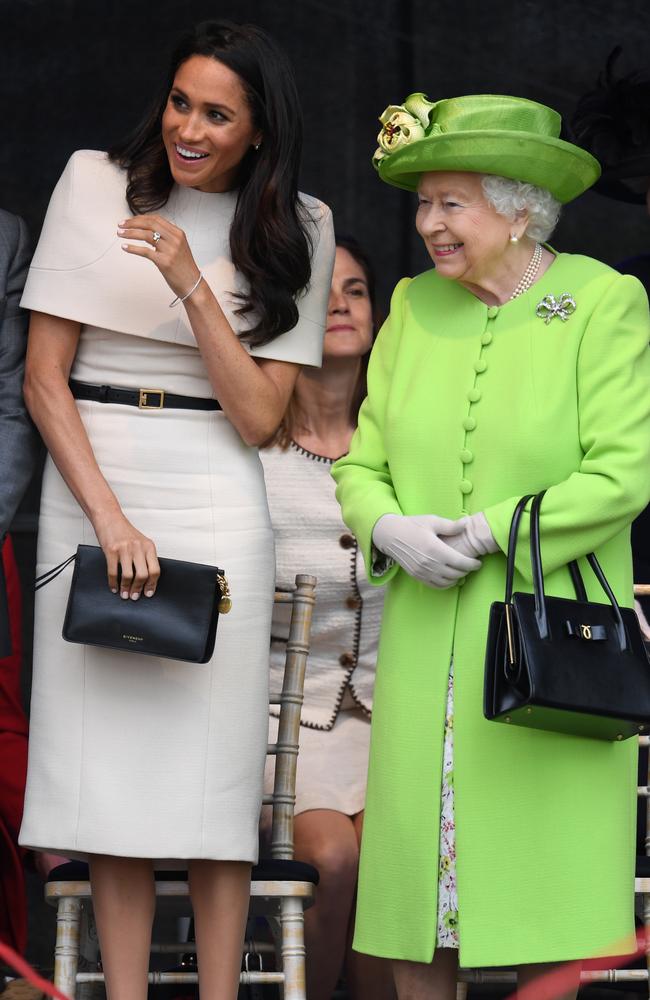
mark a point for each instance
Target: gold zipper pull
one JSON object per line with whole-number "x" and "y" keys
{"x": 225, "y": 601}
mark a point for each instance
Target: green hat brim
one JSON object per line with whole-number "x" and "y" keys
{"x": 562, "y": 168}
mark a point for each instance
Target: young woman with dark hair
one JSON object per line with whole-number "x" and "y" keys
{"x": 157, "y": 759}
{"x": 334, "y": 737}
{"x": 269, "y": 243}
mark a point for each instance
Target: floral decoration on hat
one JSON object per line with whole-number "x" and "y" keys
{"x": 403, "y": 124}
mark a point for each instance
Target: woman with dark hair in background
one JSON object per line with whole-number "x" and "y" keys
{"x": 135, "y": 758}
{"x": 309, "y": 533}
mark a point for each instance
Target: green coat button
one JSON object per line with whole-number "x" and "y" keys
{"x": 465, "y": 486}
{"x": 486, "y": 338}
{"x": 480, "y": 365}
{"x": 466, "y": 456}
{"x": 492, "y": 312}
{"x": 474, "y": 395}
{"x": 469, "y": 423}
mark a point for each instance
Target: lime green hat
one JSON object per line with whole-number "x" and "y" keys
{"x": 483, "y": 133}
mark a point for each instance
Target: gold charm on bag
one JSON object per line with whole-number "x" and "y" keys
{"x": 225, "y": 601}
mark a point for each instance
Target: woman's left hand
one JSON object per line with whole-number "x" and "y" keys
{"x": 476, "y": 538}
{"x": 170, "y": 252}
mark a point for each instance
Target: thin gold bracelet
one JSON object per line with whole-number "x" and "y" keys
{"x": 194, "y": 287}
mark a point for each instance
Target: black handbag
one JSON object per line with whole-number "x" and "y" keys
{"x": 178, "y": 622}
{"x": 567, "y": 666}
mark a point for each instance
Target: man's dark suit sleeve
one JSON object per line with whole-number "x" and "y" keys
{"x": 18, "y": 440}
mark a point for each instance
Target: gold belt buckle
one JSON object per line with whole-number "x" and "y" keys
{"x": 143, "y": 401}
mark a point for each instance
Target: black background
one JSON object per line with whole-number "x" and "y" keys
{"x": 78, "y": 74}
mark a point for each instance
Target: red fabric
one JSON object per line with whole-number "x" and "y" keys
{"x": 12, "y": 715}
{"x": 30, "y": 974}
{"x": 13, "y": 906}
{"x": 13, "y": 771}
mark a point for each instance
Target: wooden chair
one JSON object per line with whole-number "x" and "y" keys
{"x": 281, "y": 888}
{"x": 642, "y": 881}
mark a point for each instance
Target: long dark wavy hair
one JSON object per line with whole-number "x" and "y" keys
{"x": 293, "y": 418}
{"x": 270, "y": 243}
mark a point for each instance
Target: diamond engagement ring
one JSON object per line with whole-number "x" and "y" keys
{"x": 155, "y": 236}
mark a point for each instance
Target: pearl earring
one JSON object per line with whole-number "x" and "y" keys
{"x": 514, "y": 239}
{"x": 257, "y": 146}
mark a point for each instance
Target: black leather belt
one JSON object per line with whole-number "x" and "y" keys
{"x": 144, "y": 399}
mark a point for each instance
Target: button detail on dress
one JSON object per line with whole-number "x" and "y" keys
{"x": 466, "y": 486}
{"x": 480, "y": 365}
{"x": 346, "y": 541}
{"x": 474, "y": 395}
{"x": 492, "y": 311}
{"x": 347, "y": 659}
{"x": 466, "y": 456}
{"x": 352, "y": 602}
{"x": 469, "y": 423}
{"x": 486, "y": 338}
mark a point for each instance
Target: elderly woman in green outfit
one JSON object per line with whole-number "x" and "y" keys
{"x": 508, "y": 369}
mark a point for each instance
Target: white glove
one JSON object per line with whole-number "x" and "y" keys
{"x": 475, "y": 539}
{"x": 415, "y": 543}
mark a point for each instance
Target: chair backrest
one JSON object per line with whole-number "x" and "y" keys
{"x": 290, "y": 700}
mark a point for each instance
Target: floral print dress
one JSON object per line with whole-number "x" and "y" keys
{"x": 447, "y": 929}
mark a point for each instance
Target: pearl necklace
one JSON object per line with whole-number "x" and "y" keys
{"x": 529, "y": 275}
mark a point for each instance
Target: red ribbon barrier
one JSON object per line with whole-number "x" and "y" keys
{"x": 547, "y": 987}
{"x": 23, "y": 968}
{"x": 565, "y": 979}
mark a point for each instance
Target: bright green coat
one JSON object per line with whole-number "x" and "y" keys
{"x": 468, "y": 408}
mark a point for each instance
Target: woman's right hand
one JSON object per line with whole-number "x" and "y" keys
{"x": 415, "y": 543}
{"x": 128, "y": 549}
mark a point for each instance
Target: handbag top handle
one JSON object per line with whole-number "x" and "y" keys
{"x": 512, "y": 545}
{"x": 538, "y": 573}
{"x": 51, "y": 574}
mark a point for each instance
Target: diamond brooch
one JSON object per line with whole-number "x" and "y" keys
{"x": 563, "y": 306}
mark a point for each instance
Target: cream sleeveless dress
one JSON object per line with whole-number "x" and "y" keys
{"x": 132, "y": 755}
{"x": 310, "y": 537}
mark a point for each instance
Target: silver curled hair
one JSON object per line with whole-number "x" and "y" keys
{"x": 508, "y": 197}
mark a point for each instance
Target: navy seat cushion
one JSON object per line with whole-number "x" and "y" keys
{"x": 268, "y": 869}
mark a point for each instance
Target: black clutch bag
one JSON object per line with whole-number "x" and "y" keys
{"x": 178, "y": 622}
{"x": 568, "y": 666}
